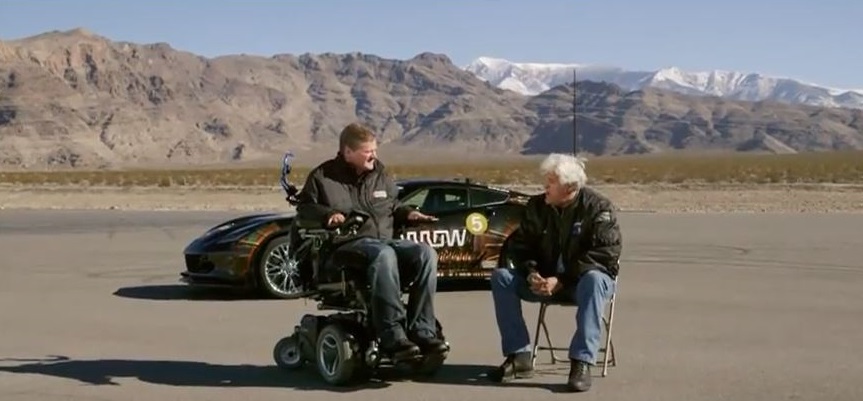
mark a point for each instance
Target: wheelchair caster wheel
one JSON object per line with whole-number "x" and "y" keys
{"x": 287, "y": 353}
{"x": 430, "y": 364}
{"x": 335, "y": 355}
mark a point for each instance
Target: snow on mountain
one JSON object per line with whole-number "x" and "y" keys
{"x": 534, "y": 78}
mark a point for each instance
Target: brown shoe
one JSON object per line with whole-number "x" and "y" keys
{"x": 579, "y": 376}
{"x": 516, "y": 366}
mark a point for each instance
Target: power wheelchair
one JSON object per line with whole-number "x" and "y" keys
{"x": 342, "y": 345}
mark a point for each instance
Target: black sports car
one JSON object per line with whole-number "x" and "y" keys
{"x": 256, "y": 251}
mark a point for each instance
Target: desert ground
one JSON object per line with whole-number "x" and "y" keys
{"x": 711, "y": 307}
{"x": 681, "y": 182}
{"x": 670, "y": 198}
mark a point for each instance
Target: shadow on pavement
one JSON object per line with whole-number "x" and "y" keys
{"x": 182, "y": 292}
{"x": 102, "y": 372}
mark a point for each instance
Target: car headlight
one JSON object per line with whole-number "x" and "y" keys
{"x": 218, "y": 229}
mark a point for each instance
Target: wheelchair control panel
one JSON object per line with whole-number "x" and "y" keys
{"x": 348, "y": 228}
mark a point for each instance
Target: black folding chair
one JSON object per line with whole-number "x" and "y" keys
{"x": 607, "y": 350}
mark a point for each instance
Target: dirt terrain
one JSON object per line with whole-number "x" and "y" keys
{"x": 647, "y": 198}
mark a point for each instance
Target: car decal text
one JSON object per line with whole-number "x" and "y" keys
{"x": 438, "y": 238}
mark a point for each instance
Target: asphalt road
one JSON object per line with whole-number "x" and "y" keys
{"x": 711, "y": 307}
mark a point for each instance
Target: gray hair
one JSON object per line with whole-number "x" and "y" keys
{"x": 569, "y": 169}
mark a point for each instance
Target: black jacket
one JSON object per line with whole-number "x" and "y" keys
{"x": 586, "y": 233}
{"x": 334, "y": 186}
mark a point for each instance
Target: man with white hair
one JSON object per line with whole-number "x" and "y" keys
{"x": 566, "y": 248}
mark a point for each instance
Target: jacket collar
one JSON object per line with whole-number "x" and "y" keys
{"x": 577, "y": 200}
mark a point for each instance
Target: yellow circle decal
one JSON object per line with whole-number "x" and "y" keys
{"x": 476, "y": 223}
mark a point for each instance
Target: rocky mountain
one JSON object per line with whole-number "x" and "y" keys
{"x": 534, "y": 78}
{"x": 612, "y": 120}
{"x": 77, "y": 99}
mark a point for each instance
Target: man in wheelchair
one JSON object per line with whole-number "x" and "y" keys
{"x": 356, "y": 181}
{"x": 566, "y": 249}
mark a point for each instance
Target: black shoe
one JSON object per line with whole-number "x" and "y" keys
{"x": 516, "y": 366}
{"x": 400, "y": 349}
{"x": 579, "y": 376}
{"x": 430, "y": 345}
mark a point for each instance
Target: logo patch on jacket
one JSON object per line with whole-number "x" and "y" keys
{"x": 576, "y": 228}
{"x": 603, "y": 217}
{"x": 379, "y": 194}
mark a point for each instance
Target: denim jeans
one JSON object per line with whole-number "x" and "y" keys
{"x": 395, "y": 263}
{"x": 591, "y": 293}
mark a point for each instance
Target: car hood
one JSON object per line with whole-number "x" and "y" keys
{"x": 246, "y": 223}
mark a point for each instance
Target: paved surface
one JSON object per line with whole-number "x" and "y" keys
{"x": 738, "y": 307}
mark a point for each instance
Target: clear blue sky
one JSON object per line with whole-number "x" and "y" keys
{"x": 816, "y": 41}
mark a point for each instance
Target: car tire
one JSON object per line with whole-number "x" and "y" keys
{"x": 276, "y": 260}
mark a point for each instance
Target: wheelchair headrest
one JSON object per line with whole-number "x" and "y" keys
{"x": 291, "y": 190}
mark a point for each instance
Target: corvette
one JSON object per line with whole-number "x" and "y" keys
{"x": 255, "y": 251}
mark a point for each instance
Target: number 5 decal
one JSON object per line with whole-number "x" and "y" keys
{"x": 476, "y": 223}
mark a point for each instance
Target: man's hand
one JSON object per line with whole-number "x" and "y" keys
{"x": 544, "y": 286}
{"x": 416, "y": 215}
{"x": 336, "y": 219}
{"x": 535, "y": 281}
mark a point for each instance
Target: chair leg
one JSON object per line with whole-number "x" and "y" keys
{"x": 542, "y": 327}
{"x": 551, "y": 348}
{"x": 540, "y": 323}
{"x": 609, "y": 357}
{"x": 609, "y": 345}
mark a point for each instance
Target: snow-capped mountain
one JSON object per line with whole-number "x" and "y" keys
{"x": 534, "y": 78}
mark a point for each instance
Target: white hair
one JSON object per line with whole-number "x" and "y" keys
{"x": 569, "y": 169}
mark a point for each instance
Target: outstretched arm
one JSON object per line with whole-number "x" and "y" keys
{"x": 400, "y": 210}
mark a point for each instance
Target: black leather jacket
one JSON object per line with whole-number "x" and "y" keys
{"x": 586, "y": 234}
{"x": 334, "y": 186}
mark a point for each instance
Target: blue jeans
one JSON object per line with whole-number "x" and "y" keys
{"x": 394, "y": 263}
{"x": 591, "y": 293}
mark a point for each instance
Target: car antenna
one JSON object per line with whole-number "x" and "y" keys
{"x": 574, "y": 117}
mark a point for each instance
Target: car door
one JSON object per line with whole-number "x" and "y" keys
{"x": 448, "y": 235}
{"x": 489, "y": 221}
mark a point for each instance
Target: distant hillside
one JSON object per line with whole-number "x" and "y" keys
{"x": 80, "y": 100}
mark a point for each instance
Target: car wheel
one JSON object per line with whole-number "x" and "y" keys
{"x": 278, "y": 271}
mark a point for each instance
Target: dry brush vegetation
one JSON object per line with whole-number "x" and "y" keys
{"x": 728, "y": 168}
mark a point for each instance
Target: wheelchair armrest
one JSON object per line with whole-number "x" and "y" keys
{"x": 307, "y": 233}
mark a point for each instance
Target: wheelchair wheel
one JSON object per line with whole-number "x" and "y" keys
{"x": 287, "y": 353}
{"x": 335, "y": 357}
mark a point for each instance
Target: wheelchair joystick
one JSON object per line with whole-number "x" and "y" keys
{"x": 350, "y": 226}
